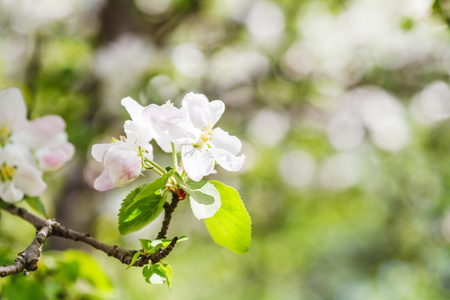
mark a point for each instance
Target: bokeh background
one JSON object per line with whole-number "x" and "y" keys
{"x": 343, "y": 109}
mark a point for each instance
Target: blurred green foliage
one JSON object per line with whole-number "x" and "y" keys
{"x": 62, "y": 275}
{"x": 343, "y": 108}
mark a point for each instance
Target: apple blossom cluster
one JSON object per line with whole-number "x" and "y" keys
{"x": 188, "y": 130}
{"x": 28, "y": 148}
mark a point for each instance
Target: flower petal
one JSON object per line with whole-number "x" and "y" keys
{"x": 29, "y": 180}
{"x": 166, "y": 145}
{"x": 135, "y": 110}
{"x": 217, "y": 108}
{"x": 41, "y": 131}
{"x": 137, "y": 134}
{"x": 205, "y": 199}
{"x": 221, "y": 139}
{"x": 197, "y": 111}
{"x": 227, "y": 160}
{"x": 9, "y": 193}
{"x": 167, "y": 123}
{"x": 53, "y": 157}
{"x": 196, "y": 162}
{"x": 13, "y": 111}
{"x": 103, "y": 182}
{"x": 123, "y": 163}
{"x": 98, "y": 151}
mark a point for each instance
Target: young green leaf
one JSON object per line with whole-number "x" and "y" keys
{"x": 230, "y": 227}
{"x": 146, "y": 245}
{"x": 36, "y": 204}
{"x": 135, "y": 257}
{"x": 160, "y": 243}
{"x": 154, "y": 186}
{"x": 140, "y": 214}
{"x": 158, "y": 273}
{"x": 169, "y": 275}
{"x": 141, "y": 206}
{"x": 152, "y": 246}
{"x": 129, "y": 199}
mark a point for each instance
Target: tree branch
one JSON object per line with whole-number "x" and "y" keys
{"x": 27, "y": 260}
{"x": 168, "y": 211}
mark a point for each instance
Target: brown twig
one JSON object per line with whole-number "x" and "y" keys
{"x": 168, "y": 211}
{"x": 27, "y": 260}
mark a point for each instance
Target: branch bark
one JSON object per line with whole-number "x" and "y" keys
{"x": 27, "y": 260}
{"x": 168, "y": 211}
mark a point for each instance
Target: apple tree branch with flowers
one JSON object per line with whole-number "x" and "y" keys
{"x": 29, "y": 148}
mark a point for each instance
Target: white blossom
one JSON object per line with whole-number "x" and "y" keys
{"x": 192, "y": 128}
{"x": 28, "y": 147}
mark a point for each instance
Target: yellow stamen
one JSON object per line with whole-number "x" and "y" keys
{"x": 7, "y": 172}
{"x": 5, "y": 133}
{"x": 207, "y": 135}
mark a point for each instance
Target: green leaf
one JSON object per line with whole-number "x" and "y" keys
{"x": 154, "y": 186}
{"x": 146, "y": 245}
{"x": 204, "y": 197}
{"x": 135, "y": 257}
{"x": 36, "y": 204}
{"x": 169, "y": 275}
{"x": 181, "y": 182}
{"x": 158, "y": 273}
{"x": 230, "y": 227}
{"x": 142, "y": 205}
{"x": 165, "y": 242}
{"x": 152, "y": 246}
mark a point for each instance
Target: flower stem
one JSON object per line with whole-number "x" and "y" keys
{"x": 174, "y": 157}
{"x": 157, "y": 168}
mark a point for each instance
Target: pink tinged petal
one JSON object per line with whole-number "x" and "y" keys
{"x": 9, "y": 193}
{"x": 217, "y": 108}
{"x": 135, "y": 110}
{"x": 103, "y": 182}
{"x": 29, "y": 180}
{"x": 221, "y": 139}
{"x": 227, "y": 160}
{"x": 13, "y": 111}
{"x": 52, "y": 158}
{"x": 197, "y": 111}
{"x": 123, "y": 163}
{"x": 98, "y": 151}
{"x": 41, "y": 131}
{"x": 196, "y": 162}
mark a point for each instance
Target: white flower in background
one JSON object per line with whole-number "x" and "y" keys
{"x": 47, "y": 137}
{"x": 192, "y": 128}
{"x": 122, "y": 63}
{"x": 18, "y": 177}
{"x": 13, "y": 115}
{"x": 28, "y": 147}
{"x": 123, "y": 160}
